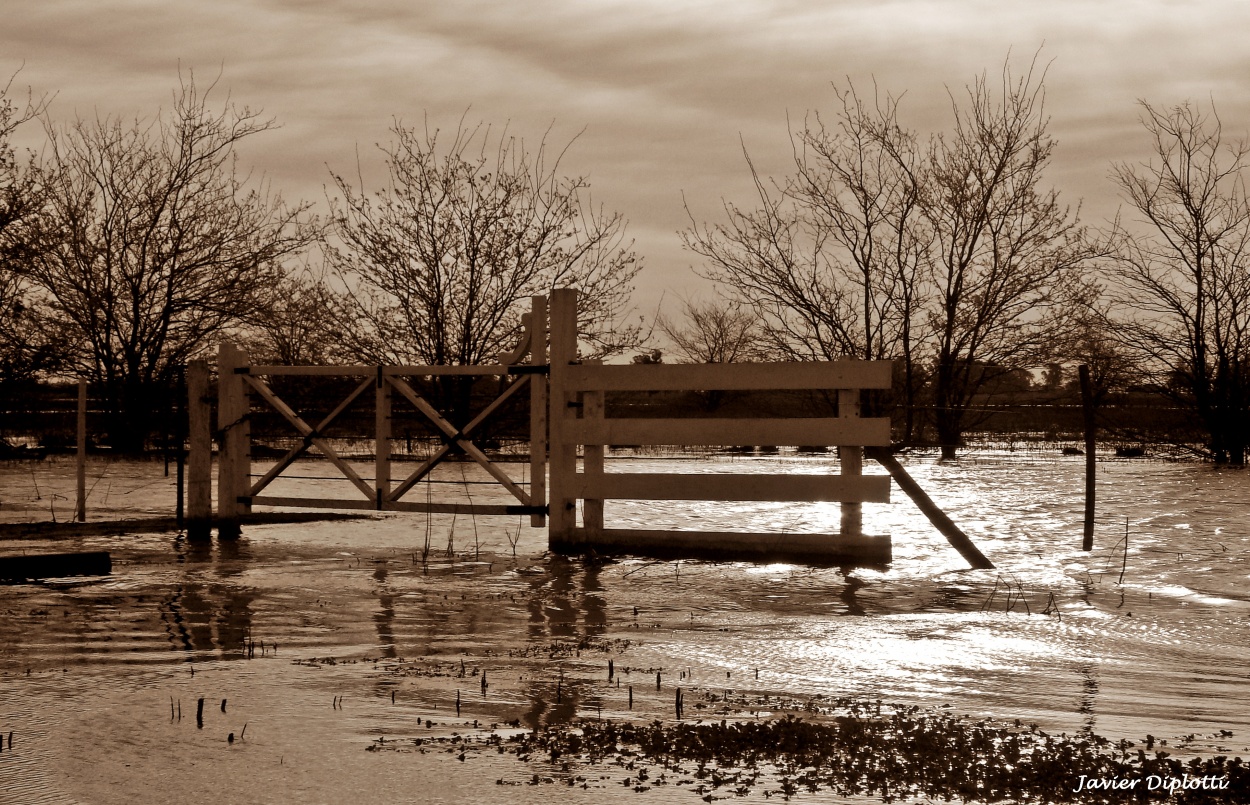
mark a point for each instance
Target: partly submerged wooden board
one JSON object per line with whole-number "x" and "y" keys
{"x": 54, "y": 565}
{"x": 731, "y": 486}
{"x": 817, "y": 549}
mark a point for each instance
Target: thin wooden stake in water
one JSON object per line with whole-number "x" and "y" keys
{"x": 1124, "y": 564}
{"x": 80, "y": 510}
{"x": 1087, "y": 406}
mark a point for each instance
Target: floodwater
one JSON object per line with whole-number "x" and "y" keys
{"x": 327, "y": 639}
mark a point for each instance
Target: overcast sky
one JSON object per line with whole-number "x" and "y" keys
{"x": 666, "y": 92}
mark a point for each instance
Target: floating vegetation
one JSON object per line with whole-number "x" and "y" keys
{"x": 897, "y": 754}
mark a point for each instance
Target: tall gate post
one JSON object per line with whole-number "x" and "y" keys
{"x": 563, "y": 509}
{"x": 233, "y": 465}
{"x": 538, "y": 409}
{"x": 382, "y": 448}
{"x": 200, "y": 458}
{"x": 851, "y": 461}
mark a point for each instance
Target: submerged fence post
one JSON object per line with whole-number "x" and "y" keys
{"x": 563, "y": 512}
{"x": 851, "y": 461}
{"x": 538, "y": 409}
{"x": 592, "y": 462}
{"x": 200, "y": 459}
{"x": 80, "y": 508}
{"x": 180, "y": 426}
{"x": 382, "y": 446}
{"x": 232, "y": 465}
{"x": 1087, "y": 406}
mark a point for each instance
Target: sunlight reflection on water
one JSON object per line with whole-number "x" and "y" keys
{"x": 1163, "y": 651}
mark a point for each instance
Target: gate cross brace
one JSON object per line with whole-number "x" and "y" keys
{"x": 458, "y": 437}
{"x": 310, "y": 434}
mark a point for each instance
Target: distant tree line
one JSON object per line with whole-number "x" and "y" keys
{"x": 128, "y": 247}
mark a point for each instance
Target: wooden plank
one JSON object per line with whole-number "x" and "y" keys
{"x": 954, "y": 535}
{"x": 563, "y": 445}
{"x": 299, "y": 449}
{"x": 723, "y": 486}
{"x": 851, "y": 459}
{"x": 538, "y": 409}
{"x": 53, "y": 565}
{"x": 732, "y": 376}
{"x": 470, "y": 449}
{"x": 485, "y": 369}
{"x": 200, "y": 458}
{"x": 382, "y": 440}
{"x": 231, "y": 412}
{"x": 592, "y": 460}
{"x": 306, "y": 431}
{"x": 725, "y": 432}
{"x": 445, "y": 450}
{"x": 389, "y": 505}
{"x": 80, "y": 506}
{"x": 821, "y": 549}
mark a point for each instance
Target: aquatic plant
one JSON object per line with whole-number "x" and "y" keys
{"x": 904, "y": 753}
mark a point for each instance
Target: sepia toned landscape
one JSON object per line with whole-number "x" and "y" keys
{"x": 814, "y": 402}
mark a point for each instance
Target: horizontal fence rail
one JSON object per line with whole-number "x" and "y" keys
{"x": 729, "y": 376}
{"x": 729, "y": 432}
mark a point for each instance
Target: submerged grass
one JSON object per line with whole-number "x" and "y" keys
{"x": 891, "y": 755}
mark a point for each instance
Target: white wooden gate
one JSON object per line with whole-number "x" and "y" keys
{"x": 237, "y": 492}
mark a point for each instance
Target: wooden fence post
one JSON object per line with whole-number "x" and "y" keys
{"x": 538, "y": 409}
{"x": 851, "y": 461}
{"x": 1091, "y": 456}
{"x": 563, "y": 513}
{"x": 200, "y": 458}
{"x": 80, "y": 509}
{"x": 382, "y": 448}
{"x": 233, "y": 467}
{"x": 592, "y": 462}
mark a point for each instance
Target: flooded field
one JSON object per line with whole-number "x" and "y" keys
{"x": 314, "y": 645}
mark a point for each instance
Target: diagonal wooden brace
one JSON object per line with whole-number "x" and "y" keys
{"x": 458, "y": 438}
{"x": 310, "y": 434}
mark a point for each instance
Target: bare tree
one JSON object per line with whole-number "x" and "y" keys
{"x": 876, "y": 249}
{"x": 1183, "y": 276}
{"x": 152, "y": 243}
{"x": 1002, "y": 245}
{"x": 442, "y": 260}
{"x": 29, "y": 343}
{"x": 822, "y": 253}
{"x": 714, "y": 332}
{"x": 301, "y": 324}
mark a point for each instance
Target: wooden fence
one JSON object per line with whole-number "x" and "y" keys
{"x": 578, "y": 420}
{"x": 238, "y": 380}
{"x": 567, "y": 412}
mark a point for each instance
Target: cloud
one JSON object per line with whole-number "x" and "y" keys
{"x": 666, "y": 92}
